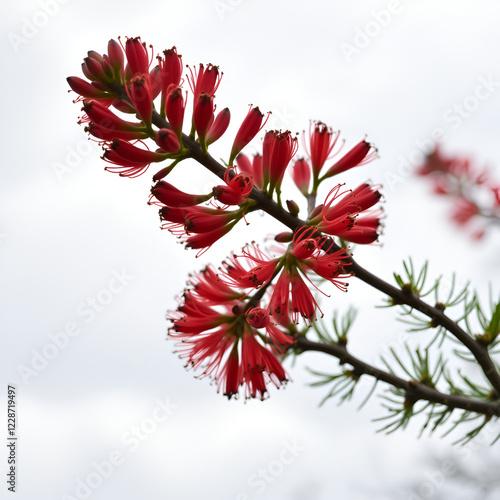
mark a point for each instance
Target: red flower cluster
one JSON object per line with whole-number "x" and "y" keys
{"x": 290, "y": 296}
{"x": 322, "y": 142}
{"x": 475, "y": 195}
{"x": 232, "y": 324}
{"x": 350, "y": 218}
{"x": 219, "y": 324}
{"x": 200, "y": 226}
{"x": 123, "y": 79}
{"x": 220, "y": 336}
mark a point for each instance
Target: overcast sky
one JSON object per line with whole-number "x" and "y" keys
{"x": 88, "y": 377}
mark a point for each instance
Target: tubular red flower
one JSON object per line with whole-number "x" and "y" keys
{"x": 251, "y": 126}
{"x": 93, "y": 70}
{"x": 280, "y": 341}
{"x": 203, "y": 241}
{"x": 229, "y": 375}
{"x": 279, "y": 301}
{"x": 303, "y": 302}
{"x": 109, "y": 134}
{"x": 253, "y": 168}
{"x": 204, "y": 80}
{"x": 131, "y": 160}
{"x": 137, "y": 56}
{"x": 364, "y": 230}
{"x": 358, "y": 200}
{"x": 123, "y": 167}
{"x": 155, "y": 82}
{"x": 257, "y": 366}
{"x": 174, "y": 108}
{"x": 361, "y": 154}
{"x": 198, "y": 227}
{"x": 258, "y": 317}
{"x": 301, "y": 175}
{"x": 219, "y": 126}
{"x": 116, "y": 58}
{"x": 322, "y": 140}
{"x": 342, "y": 219}
{"x": 141, "y": 95}
{"x": 86, "y": 89}
{"x": 314, "y": 251}
{"x": 285, "y": 237}
{"x": 203, "y": 115}
{"x": 279, "y": 149}
{"x": 171, "y": 73}
{"x": 133, "y": 154}
{"x": 208, "y": 287}
{"x": 167, "y": 140}
{"x": 105, "y": 118}
{"x": 216, "y": 337}
{"x": 237, "y": 188}
{"x": 170, "y": 196}
{"x": 263, "y": 268}
{"x": 208, "y": 222}
{"x": 170, "y": 68}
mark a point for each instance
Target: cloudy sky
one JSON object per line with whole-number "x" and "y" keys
{"x": 105, "y": 408}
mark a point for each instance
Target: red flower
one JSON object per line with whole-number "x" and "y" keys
{"x": 250, "y": 127}
{"x": 93, "y": 69}
{"x": 260, "y": 318}
{"x": 322, "y": 140}
{"x": 204, "y": 80}
{"x": 361, "y": 154}
{"x": 301, "y": 175}
{"x": 254, "y": 168}
{"x": 198, "y": 227}
{"x": 290, "y": 295}
{"x": 170, "y": 73}
{"x": 343, "y": 220}
{"x": 175, "y": 107}
{"x": 86, "y": 89}
{"x": 103, "y": 117}
{"x": 207, "y": 286}
{"x": 116, "y": 58}
{"x": 278, "y": 149}
{"x": 131, "y": 161}
{"x": 141, "y": 95}
{"x": 218, "y": 339}
{"x": 236, "y": 190}
{"x": 169, "y": 195}
{"x": 218, "y": 127}
{"x": 258, "y": 367}
{"x": 137, "y": 56}
{"x": 109, "y": 135}
{"x": 167, "y": 140}
{"x": 203, "y": 115}
{"x": 262, "y": 270}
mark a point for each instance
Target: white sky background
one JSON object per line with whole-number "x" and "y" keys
{"x": 63, "y": 239}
